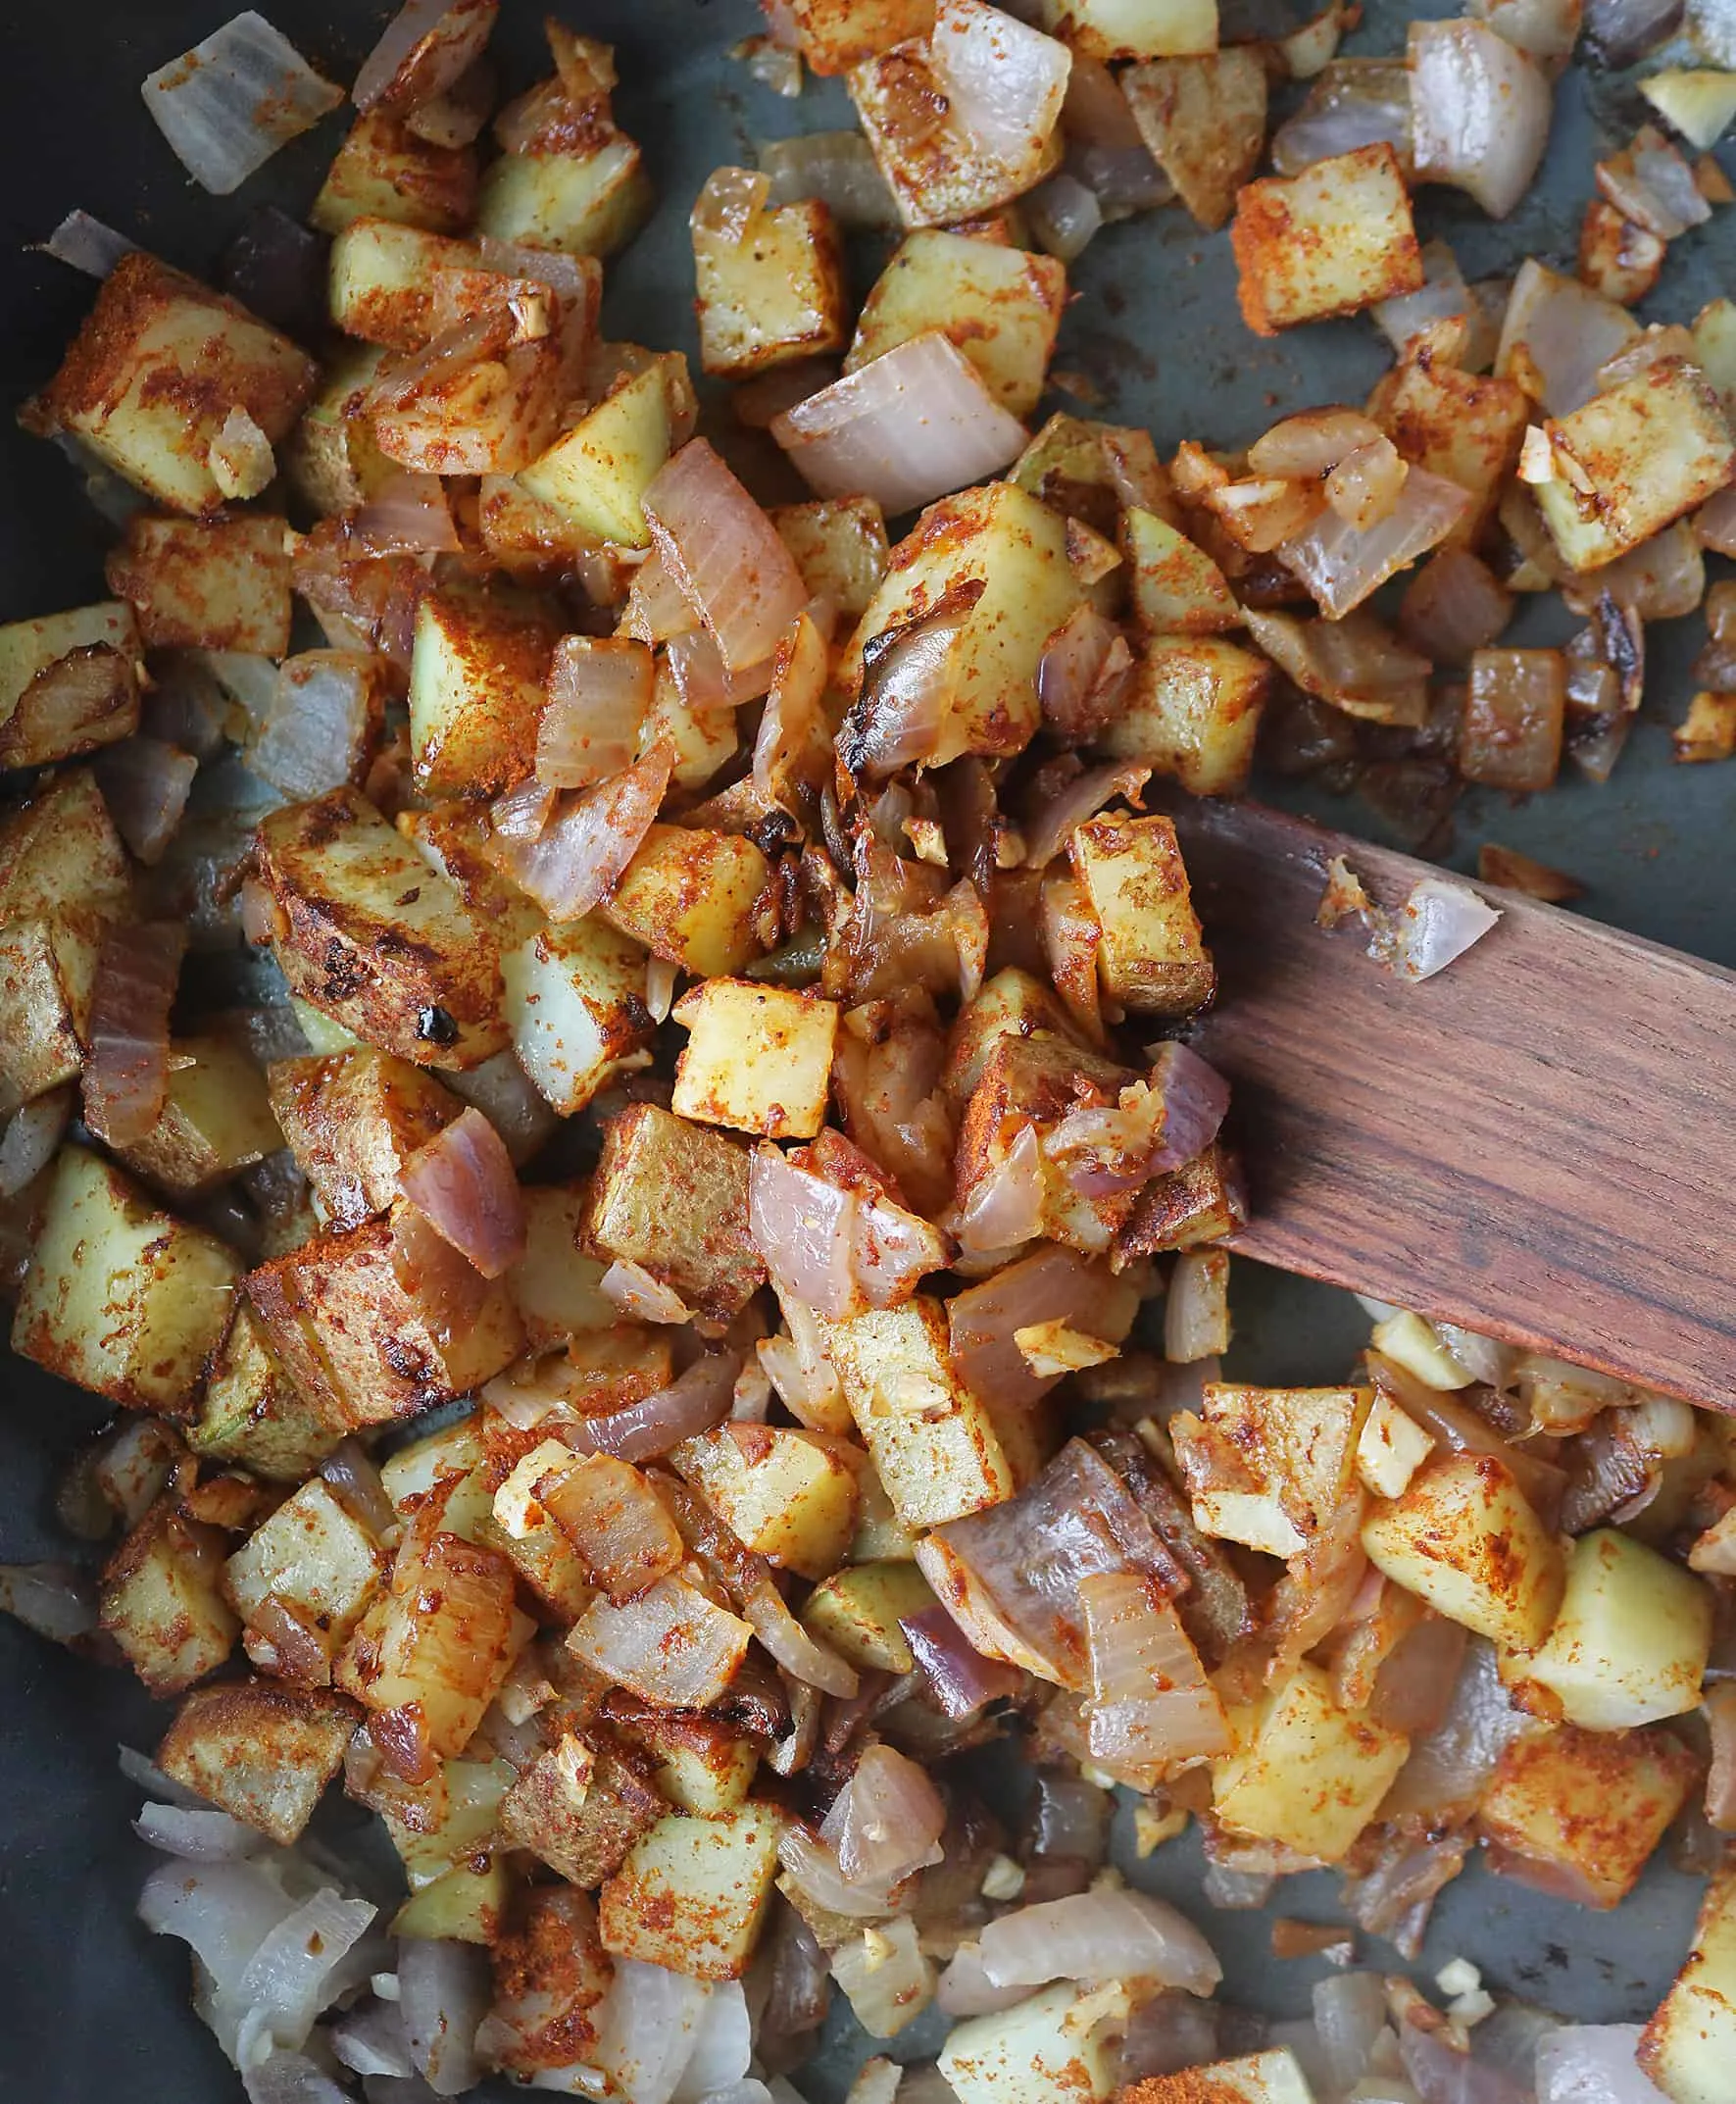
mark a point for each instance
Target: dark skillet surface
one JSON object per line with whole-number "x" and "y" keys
{"x": 94, "y": 2009}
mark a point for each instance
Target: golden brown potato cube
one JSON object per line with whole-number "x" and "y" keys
{"x": 382, "y": 281}
{"x": 858, "y": 1613}
{"x": 352, "y": 1121}
{"x": 1191, "y": 710}
{"x": 446, "y": 1642}
{"x": 575, "y": 1008}
{"x": 263, "y": 1754}
{"x": 156, "y": 370}
{"x": 60, "y": 849}
{"x": 118, "y": 1296}
{"x": 758, "y": 1058}
{"x": 580, "y": 1808}
{"x": 1174, "y": 588}
{"x": 703, "y": 1767}
{"x": 477, "y": 693}
{"x": 1301, "y": 1770}
{"x": 1013, "y": 547}
{"x": 933, "y": 1443}
{"x": 693, "y": 1894}
{"x": 253, "y": 1414}
{"x": 1203, "y": 119}
{"x": 162, "y": 1602}
{"x": 585, "y": 202}
{"x": 313, "y": 1557}
{"x": 383, "y": 171}
{"x": 1510, "y": 737}
{"x": 1688, "y": 2046}
{"x": 1632, "y": 460}
{"x": 1000, "y": 305}
{"x": 555, "y": 1285}
{"x": 672, "y": 1198}
{"x": 1466, "y": 426}
{"x": 837, "y": 34}
{"x": 1011, "y": 1004}
{"x": 790, "y": 1494}
{"x": 1203, "y": 1201}
{"x": 1133, "y": 28}
{"x": 372, "y": 936}
{"x": 773, "y": 295}
{"x": 214, "y": 584}
{"x": 1269, "y": 1466}
{"x": 1462, "y": 1538}
{"x": 1580, "y": 1812}
{"x": 216, "y": 1121}
{"x": 595, "y": 476}
{"x": 47, "y": 973}
{"x": 1334, "y": 238}
{"x": 365, "y": 1344}
{"x": 690, "y": 896}
{"x": 839, "y": 544}
{"x": 1153, "y": 960}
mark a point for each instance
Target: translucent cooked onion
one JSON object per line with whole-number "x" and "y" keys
{"x": 300, "y": 1966}
{"x": 766, "y": 1613}
{"x": 705, "y": 683}
{"x": 1150, "y": 1704}
{"x": 1435, "y": 925}
{"x": 32, "y": 1137}
{"x": 1566, "y": 333}
{"x": 1354, "y": 102}
{"x": 582, "y": 855}
{"x": 1454, "y": 607}
{"x": 648, "y": 2026}
{"x": 963, "y": 1681}
{"x": 227, "y": 106}
{"x": 1099, "y": 1936}
{"x": 1005, "y": 81}
{"x": 204, "y": 1836}
{"x": 724, "y": 554}
{"x": 1104, "y": 146}
{"x": 503, "y": 1094}
{"x": 1479, "y": 112}
{"x": 445, "y": 1284}
{"x": 692, "y": 1403}
{"x": 87, "y": 244}
{"x": 317, "y": 726}
{"x": 1080, "y": 800}
{"x": 1652, "y": 186}
{"x": 886, "y": 1822}
{"x": 127, "y": 1075}
{"x": 599, "y": 697}
{"x": 641, "y": 1296}
{"x": 965, "y": 1989}
{"x": 1341, "y": 565}
{"x": 838, "y": 167}
{"x": 813, "y": 1868}
{"x": 1592, "y": 2064}
{"x": 1445, "y": 2074}
{"x": 907, "y": 686}
{"x": 619, "y": 1528}
{"x": 443, "y": 1993}
{"x": 1450, "y": 1767}
{"x": 1052, "y": 1284}
{"x": 1080, "y": 675}
{"x": 409, "y": 515}
{"x": 146, "y": 783}
{"x": 1350, "y": 2013}
{"x": 462, "y": 1181}
{"x": 1005, "y": 1204}
{"x": 427, "y": 48}
{"x": 53, "y": 1599}
{"x": 1309, "y": 444}
{"x": 912, "y": 425}
{"x": 1065, "y": 216}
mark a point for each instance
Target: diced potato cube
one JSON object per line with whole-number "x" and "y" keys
{"x": 1000, "y": 306}
{"x": 60, "y": 849}
{"x": 1014, "y": 547}
{"x": 47, "y": 975}
{"x": 1688, "y": 2047}
{"x": 120, "y": 1297}
{"x": 1464, "y": 1539}
{"x": 1301, "y": 1770}
{"x": 253, "y": 1414}
{"x": 585, "y": 203}
{"x": 1631, "y": 1640}
{"x": 1271, "y": 1467}
{"x": 789, "y": 1494}
{"x": 1133, "y": 28}
{"x": 314, "y": 1557}
{"x": 261, "y": 1753}
{"x": 1468, "y": 426}
{"x": 526, "y": 1532}
{"x": 1632, "y": 460}
{"x": 1153, "y": 958}
{"x": 1203, "y": 1201}
{"x": 1336, "y": 238}
{"x": 575, "y": 1008}
{"x": 693, "y": 1894}
{"x": 383, "y": 171}
{"x": 355, "y": 1336}
{"x": 759, "y": 1058}
{"x": 214, "y": 584}
{"x": 30, "y": 647}
{"x": 216, "y": 1121}
{"x": 774, "y": 295}
{"x": 1090, "y": 471}
{"x": 467, "y": 1905}
{"x": 1580, "y": 1812}
{"x": 1191, "y": 710}
{"x": 352, "y": 1121}
{"x": 477, "y": 693}
{"x": 933, "y": 1443}
{"x": 839, "y": 544}
{"x": 446, "y": 1642}
{"x": 330, "y": 458}
{"x": 856, "y": 1613}
{"x": 377, "y": 939}
{"x": 1064, "y": 2041}
{"x": 703, "y": 1767}
{"x": 1174, "y": 587}
{"x": 1392, "y": 1447}
{"x": 162, "y": 1603}
{"x": 467, "y": 1799}
{"x": 597, "y": 473}
{"x": 384, "y": 277}
{"x": 837, "y": 34}
{"x": 689, "y": 897}
{"x": 555, "y": 1284}
{"x": 1203, "y": 119}
{"x": 448, "y": 1456}
{"x": 1417, "y": 1346}
{"x": 1011, "y": 1004}
{"x": 158, "y": 368}
{"x": 672, "y": 1198}
{"x": 581, "y": 1810}
{"x": 1273, "y": 2077}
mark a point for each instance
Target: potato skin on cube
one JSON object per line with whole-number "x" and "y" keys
{"x": 153, "y": 375}
{"x": 1332, "y": 240}
{"x": 260, "y": 1752}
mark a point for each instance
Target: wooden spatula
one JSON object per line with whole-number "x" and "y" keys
{"x": 1538, "y": 1144}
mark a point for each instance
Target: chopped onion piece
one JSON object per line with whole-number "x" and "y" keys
{"x": 146, "y": 783}
{"x": 462, "y": 1181}
{"x": 1438, "y": 923}
{"x": 1479, "y": 112}
{"x": 963, "y": 1681}
{"x": 766, "y": 1613}
{"x": 692, "y": 1403}
{"x": 52, "y": 1599}
{"x": 671, "y": 1646}
{"x": 1341, "y": 565}
{"x": 444, "y": 1991}
{"x": 126, "y": 1075}
{"x": 427, "y": 48}
{"x": 645, "y": 1299}
{"x": 202, "y": 1835}
{"x": 1566, "y": 333}
{"x": 1005, "y": 81}
{"x": 317, "y": 730}
{"x": 1353, "y": 103}
{"x": 408, "y": 516}
{"x": 600, "y": 693}
{"x": 906, "y": 688}
{"x": 886, "y": 1976}
{"x": 1652, "y": 186}
{"x": 1593, "y": 2064}
{"x": 581, "y": 854}
{"x": 87, "y": 244}
{"x": 1078, "y": 802}
{"x": 886, "y": 1822}
{"x": 724, "y": 554}
{"x": 1095, "y": 1936}
{"x": 912, "y": 425}
{"x": 228, "y": 104}
{"x": 838, "y": 168}
{"x": 1065, "y": 216}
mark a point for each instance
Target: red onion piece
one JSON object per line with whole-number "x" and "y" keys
{"x": 1479, "y": 112}
{"x": 146, "y": 784}
{"x": 963, "y": 1681}
{"x": 524, "y": 813}
{"x": 641, "y": 1296}
{"x": 806, "y": 1229}
{"x": 408, "y": 516}
{"x": 1080, "y": 675}
{"x": 127, "y": 1075}
{"x": 1150, "y": 1704}
{"x": 462, "y": 1181}
{"x": 1099, "y": 1936}
{"x": 1620, "y": 31}
{"x": 323, "y": 717}
{"x": 1592, "y": 2064}
{"x": 912, "y": 425}
{"x": 1443, "y": 2075}
{"x": 1354, "y": 102}
{"x": 600, "y": 691}
{"x": 839, "y": 169}
{"x": 87, "y": 245}
{"x": 1005, "y": 81}
{"x": 32, "y": 1139}
{"x": 812, "y": 1867}
{"x": 446, "y": 1286}
{"x": 1052, "y": 1284}
{"x": 227, "y": 106}
{"x": 1079, "y": 801}
{"x": 1652, "y": 185}
{"x": 671, "y": 1647}
{"x": 619, "y": 1526}
{"x": 705, "y": 682}
{"x": 427, "y": 47}
{"x": 768, "y": 1614}
{"x": 724, "y": 554}
{"x": 205, "y": 1835}
{"x": 886, "y": 1822}
{"x": 1437, "y": 923}
{"x": 1065, "y": 216}
{"x": 907, "y": 684}
{"x": 1342, "y": 564}
{"x": 1157, "y": 1127}
{"x": 691, "y": 1404}
{"x": 580, "y": 856}
{"x": 351, "y": 1472}
{"x": 1566, "y": 330}
{"x": 1005, "y": 1206}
